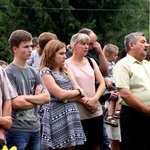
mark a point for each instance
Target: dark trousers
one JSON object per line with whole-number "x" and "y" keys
{"x": 135, "y": 129}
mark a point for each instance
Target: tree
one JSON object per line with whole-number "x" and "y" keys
{"x": 111, "y": 20}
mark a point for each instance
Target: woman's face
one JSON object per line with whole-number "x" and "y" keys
{"x": 81, "y": 48}
{"x": 60, "y": 57}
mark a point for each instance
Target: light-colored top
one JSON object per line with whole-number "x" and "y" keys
{"x": 111, "y": 66}
{"x": 34, "y": 60}
{"x": 6, "y": 90}
{"x": 135, "y": 76}
{"x": 86, "y": 79}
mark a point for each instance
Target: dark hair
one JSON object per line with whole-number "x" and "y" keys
{"x": 35, "y": 41}
{"x": 44, "y": 38}
{"x": 122, "y": 54}
{"x": 148, "y": 53}
{"x": 17, "y": 37}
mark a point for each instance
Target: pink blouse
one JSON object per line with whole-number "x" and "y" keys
{"x": 85, "y": 78}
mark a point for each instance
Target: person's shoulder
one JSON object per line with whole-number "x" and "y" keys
{"x": 122, "y": 61}
{"x": 90, "y": 55}
{"x": 33, "y": 69}
{"x": 45, "y": 71}
{"x": 34, "y": 51}
{"x": 2, "y": 70}
{"x": 91, "y": 58}
{"x": 10, "y": 67}
{"x": 67, "y": 60}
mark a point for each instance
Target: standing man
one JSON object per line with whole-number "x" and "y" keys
{"x": 132, "y": 78}
{"x": 6, "y": 94}
{"x": 25, "y": 130}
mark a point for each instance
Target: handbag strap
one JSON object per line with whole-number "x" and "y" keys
{"x": 90, "y": 61}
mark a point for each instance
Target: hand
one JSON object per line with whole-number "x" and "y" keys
{"x": 109, "y": 84}
{"x": 91, "y": 105}
{"x": 38, "y": 89}
{"x": 97, "y": 47}
{"x": 6, "y": 122}
{"x": 114, "y": 95}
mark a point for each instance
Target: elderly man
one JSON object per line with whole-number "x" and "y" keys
{"x": 132, "y": 78}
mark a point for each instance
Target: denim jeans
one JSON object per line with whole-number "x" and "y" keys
{"x": 23, "y": 140}
{"x": 104, "y": 145}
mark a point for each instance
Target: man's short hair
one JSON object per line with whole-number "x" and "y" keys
{"x": 17, "y": 37}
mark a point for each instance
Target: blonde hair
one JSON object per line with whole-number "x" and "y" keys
{"x": 78, "y": 38}
{"x": 109, "y": 49}
{"x": 48, "y": 57}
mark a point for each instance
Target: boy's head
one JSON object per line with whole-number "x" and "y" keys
{"x": 111, "y": 52}
{"x": 17, "y": 37}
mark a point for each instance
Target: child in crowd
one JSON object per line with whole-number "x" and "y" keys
{"x": 3, "y": 64}
{"x": 111, "y": 54}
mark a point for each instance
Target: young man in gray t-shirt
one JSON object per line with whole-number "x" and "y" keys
{"x": 25, "y": 131}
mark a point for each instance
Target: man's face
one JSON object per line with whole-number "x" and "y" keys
{"x": 140, "y": 48}
{"x": 93, "y": 39}
{"x": 24, "y": 50}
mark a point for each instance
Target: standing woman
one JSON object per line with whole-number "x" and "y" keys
{"x": 84, "y": 74}
{"x": 61, "y": 126}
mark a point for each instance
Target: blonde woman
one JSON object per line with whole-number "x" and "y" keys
{"x": 92, "y": 121}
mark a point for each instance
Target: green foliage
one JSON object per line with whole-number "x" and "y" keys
{"x": 111, "y": 20}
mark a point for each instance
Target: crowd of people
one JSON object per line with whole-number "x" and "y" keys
{"x": 49, "y": 99}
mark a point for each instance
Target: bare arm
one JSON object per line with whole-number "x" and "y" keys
{"x": 41, "y": 96}
{"x": 133, "y": 101}
{"x": 103, "y": 64}
{"x": 30, "y": 101}
{"x": 7, "y": 108}
{"x": 108, "y": 83}
{"x": 5, "y": 119}
{"x": 92, "y": 101}
{"x": 58, "y": 92}
{"x": 21, "y": 103}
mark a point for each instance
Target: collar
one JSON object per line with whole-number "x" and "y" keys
{"x": 133, "y": 60}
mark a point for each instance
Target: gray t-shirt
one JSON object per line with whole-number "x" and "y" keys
{"x": 24, "y": 81}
